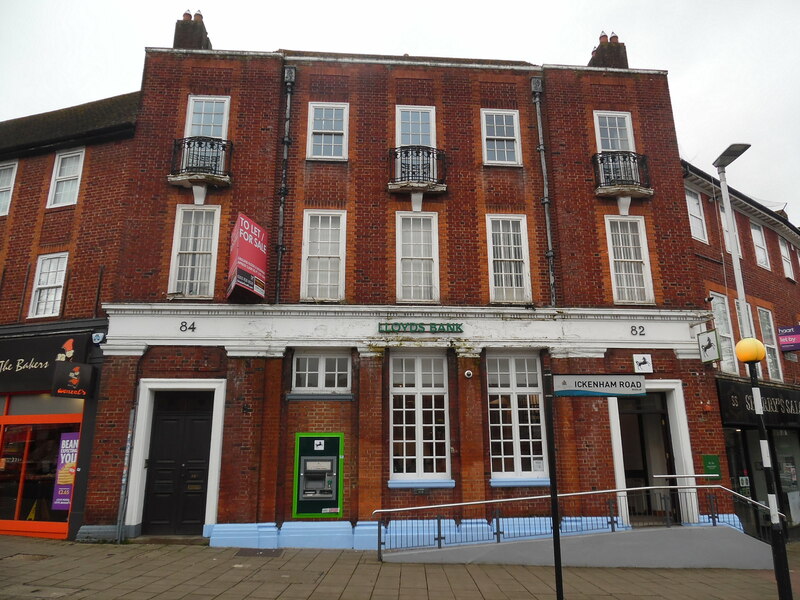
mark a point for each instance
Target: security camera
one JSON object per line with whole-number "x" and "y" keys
{"x": 98, "y": 337}
{"x": 468, "y": 374}
{"x": 710, "y": 298}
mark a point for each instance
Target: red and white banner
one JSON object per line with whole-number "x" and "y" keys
{"x": 248, "y": 263}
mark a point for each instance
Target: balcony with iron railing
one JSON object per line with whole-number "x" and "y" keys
{"x": 201, "y": 161}
{"x": 417, "y": 169}
{"x": 621, "y": 174}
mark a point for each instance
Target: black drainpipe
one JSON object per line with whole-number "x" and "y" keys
{"x": 289, "y": 74}
{"x": 537, "y": 86}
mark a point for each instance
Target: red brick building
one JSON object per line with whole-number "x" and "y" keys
{"x": 64, "y": 184}
{"x": 768, "y": 245}
{"x": 340, "y": 283}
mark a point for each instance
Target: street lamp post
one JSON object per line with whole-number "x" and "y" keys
{"x": 752, "y": 351}
{"x": 731, "y": 153}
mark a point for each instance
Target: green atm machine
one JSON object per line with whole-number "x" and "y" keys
{"x": 318, "y": 482}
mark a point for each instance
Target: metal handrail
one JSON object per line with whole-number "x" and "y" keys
{"x": 575, "y": 494}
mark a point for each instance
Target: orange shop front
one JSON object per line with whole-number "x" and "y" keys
{"x": 40, "y": 432}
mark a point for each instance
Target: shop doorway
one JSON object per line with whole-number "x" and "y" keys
{"x": 647, "y": 453}
{"x": 178, "y": 463}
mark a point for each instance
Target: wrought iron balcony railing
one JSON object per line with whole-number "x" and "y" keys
{"x": 621, "y": 173}
{"x": 202, "y": 156}
{"x": 417, "y": 168}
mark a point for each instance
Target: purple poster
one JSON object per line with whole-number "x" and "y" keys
{"x": 65, "y": 470}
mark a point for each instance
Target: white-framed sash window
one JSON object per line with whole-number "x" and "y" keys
{"x": 66, "y": 181}
{"x": 8, "y": 173}
{"x": 48, "y": 285}
{"x": 194, "y": 251}
{"x": 697, "y": 221}
{"x": 769, "y": 338}
{"x": 759, "y": 245}
{"x": 629, "y": 260}
{"x": 516, "y": 417}
{"x": 501, "y": 137}
{"x": 786, "y": 258}
{"x": 509, "y": 269}
{"x": 417, "y": 247}
{"x": 328, "y": 124}
{"x": 722, "y": 323}
{"x": 419, "y": 412}
{"x": 323, "y": 261}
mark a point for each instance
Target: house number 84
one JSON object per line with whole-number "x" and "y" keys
{"x": 637, "y": 330}
{"x": 187, "y": 326}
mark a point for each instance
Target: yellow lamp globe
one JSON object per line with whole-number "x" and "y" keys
{"x": 750, "y": 350}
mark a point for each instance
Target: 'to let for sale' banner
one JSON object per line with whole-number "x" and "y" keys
{"x": 248, "y": 263}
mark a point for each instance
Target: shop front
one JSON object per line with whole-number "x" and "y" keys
{"x": 44, "y": 383}
{"x": 782, "y": 421}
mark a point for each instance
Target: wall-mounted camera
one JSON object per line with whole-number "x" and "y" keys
{"x": 468, "y": 374}
{"x": 98, "y": 337}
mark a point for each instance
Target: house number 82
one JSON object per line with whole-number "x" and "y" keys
{"x": 637, "y": 330}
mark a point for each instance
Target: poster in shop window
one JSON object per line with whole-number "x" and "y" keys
{"x": 247, "y": 269}
{"x": 65, "y": 470}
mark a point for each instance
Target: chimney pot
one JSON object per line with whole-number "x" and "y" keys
{"x": 603, "y": 37}
{"x": 187, "y": 16}
{"x": 198, "y": 16}
{"x": 614, "y": 38}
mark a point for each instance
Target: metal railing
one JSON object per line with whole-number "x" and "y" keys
{"x": 621, "y": 169}
{"x": 202, "y": 155}
{"x": 417, "y": 164}
{"x": 442, "y": 525}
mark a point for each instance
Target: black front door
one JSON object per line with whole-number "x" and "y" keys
{"x": 177, "y": 467}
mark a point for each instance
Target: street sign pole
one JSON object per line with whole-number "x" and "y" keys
{"x": 549, "y": 424}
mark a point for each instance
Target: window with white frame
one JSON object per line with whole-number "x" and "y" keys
{"x": 324, "y": 236}
{"x": 321, "y": 372}
{"x": 509, "y": 273}
{"x": 206, "y": 116}
{"x": 66, "y": 178}
{"x": 613, "y": 131}
{"x": 770, "y": 344}
{"x": 629, "y": 260}
{"x": 725, "y": 230}
{"x": 417, "y": 257}
{"x": 501, "y": 138}
{"x": 760, "y": 245}
{"x": 722, "y": 323}
{"x": 194, "y": 251}
{"x": 748, "y": 328}
{"x": 697, "y": 221}
{"x": 516, "y": 432}
{"x": 786, "y": 258}
{"x": 327, "y": 130}
{"x": 415, "y": 126}
{"x": 8, "y": 172}
{"x": 48, "y": 285}
{"x": 420, "y": 437}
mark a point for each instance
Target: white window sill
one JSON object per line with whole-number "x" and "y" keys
{"x": 519, "y": 482}
{"x": 327, "y": 158}
{"x": 502, "y": 164}
{"x": 324, "y": 396}
{"x": 421, "y": 483}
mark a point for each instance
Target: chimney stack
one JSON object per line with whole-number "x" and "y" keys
{"x": 190, "y": 34}
{"x": 610, "y": 53}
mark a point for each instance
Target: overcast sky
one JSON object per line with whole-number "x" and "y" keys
{"x": 734, "y": 65}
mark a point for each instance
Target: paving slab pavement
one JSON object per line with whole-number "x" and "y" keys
{"x": 33, "y": 568}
